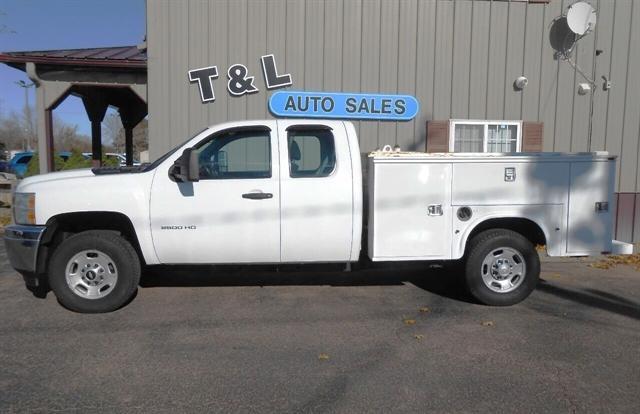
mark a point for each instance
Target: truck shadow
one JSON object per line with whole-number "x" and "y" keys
{"x": 437, "y": 280}
{"x": 594, "y": 298}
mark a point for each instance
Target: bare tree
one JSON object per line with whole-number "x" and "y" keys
{"x": 17, "y": 134}
{"x": 12, "y": 131}
{"x": 114, "y": 131}
{"x": 66, "y": 137}
{"x": 115, "y": 134}
{"x": 17, "y": 130}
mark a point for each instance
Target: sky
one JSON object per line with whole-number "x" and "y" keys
{"x": 63, "y": 24}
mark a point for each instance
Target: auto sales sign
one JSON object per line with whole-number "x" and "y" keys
{"x": 306, "y": 104}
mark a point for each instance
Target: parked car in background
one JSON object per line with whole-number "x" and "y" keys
{"x": 121, "y": 158}
{"x": 19, "y": 162}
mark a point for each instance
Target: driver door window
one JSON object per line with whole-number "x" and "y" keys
{"x": 236, "y": 155}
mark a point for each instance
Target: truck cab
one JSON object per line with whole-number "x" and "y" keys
{"x": 265, "y": 192}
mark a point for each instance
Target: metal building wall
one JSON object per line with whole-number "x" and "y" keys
{"x": 458, "y": 57}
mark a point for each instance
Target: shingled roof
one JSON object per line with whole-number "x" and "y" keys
{"x": 115, "y": 57}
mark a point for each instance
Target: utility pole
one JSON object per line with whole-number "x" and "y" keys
{"x": 27, "y": 114}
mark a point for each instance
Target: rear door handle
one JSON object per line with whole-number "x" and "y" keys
{"x": 257, "y": 196}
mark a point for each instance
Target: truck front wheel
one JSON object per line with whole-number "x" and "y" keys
{"x": 94, "y": 272}
{"x": 502, "y": 267}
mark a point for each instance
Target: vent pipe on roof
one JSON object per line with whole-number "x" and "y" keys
{"x": 143, "y": 45}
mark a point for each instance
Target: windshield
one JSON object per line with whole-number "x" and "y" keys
{"x": 160, "y": 160}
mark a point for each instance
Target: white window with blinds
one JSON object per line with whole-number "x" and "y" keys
{"x": 484, "y": 136}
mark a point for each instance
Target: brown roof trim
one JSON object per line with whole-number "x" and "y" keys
{"x": 111, "y": 63}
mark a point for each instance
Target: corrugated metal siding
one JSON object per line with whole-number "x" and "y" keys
{"x": 460, "y": 58}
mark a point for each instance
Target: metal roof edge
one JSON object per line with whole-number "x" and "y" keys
{"x": 113, "y": 63}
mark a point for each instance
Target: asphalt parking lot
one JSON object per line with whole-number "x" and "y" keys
{"x": 197, "y": 340}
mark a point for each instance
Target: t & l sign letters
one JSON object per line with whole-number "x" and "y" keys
{"x": 239, "y": 82}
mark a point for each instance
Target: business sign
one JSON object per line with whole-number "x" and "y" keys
{"x": 297, "y": 104}
{"x": 238, "y": 80}
{"x": 343, "y": 106}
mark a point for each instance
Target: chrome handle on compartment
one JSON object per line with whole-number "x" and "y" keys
{"x": 434, "y": 209}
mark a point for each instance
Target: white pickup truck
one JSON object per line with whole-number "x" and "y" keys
{"x": 291, "y": 191}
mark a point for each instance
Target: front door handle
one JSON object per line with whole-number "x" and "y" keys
{"x": 257, "y": 196}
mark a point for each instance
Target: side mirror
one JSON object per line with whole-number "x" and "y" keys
{"x": 186, "y": 167}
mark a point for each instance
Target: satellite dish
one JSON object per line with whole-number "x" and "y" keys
{"x": 581, "y": 18}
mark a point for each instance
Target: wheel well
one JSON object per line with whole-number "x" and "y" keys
{"x": 65, "y": 225}
{"x": 528, "y": 228}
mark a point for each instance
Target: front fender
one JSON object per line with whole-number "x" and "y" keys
{"x": 82, "y": 192}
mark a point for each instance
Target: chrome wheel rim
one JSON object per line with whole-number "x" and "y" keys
{"x": 91, "y": 274}
{"x": 503, "y": 270}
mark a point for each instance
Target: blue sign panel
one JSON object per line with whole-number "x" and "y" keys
{"x": 343, "y": 105}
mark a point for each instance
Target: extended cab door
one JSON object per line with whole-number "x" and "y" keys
{"x": 316, "y": 190}
{"x": 232, "y": 215}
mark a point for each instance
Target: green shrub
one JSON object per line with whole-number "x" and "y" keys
{"x": 110, "y": 162}
{"x": 33, "y": 168}
{"x": 75, "y": 161}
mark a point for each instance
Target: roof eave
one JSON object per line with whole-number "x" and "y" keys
{"x": 109, "y": 63}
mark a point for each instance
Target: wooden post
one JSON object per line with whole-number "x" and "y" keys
{"x": 48, "y": 130}
{"x": 96, "y": 143}
{"x": 96, "y": 106}
{"x": 131, "y": 114}
{"x": 128, "y": 144}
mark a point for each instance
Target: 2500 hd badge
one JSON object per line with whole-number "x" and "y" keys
{"x": 191, "y": 227}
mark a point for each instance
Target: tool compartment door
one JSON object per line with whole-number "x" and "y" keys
{"x": 410, "y": 211}
{"x": 589, "y": 229}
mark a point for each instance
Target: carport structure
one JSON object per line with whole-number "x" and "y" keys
{"x": 101, "y": 77}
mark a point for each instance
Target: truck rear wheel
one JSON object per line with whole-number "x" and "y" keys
{"x": 502, "y": 267}
{"x": 94, "y": 272}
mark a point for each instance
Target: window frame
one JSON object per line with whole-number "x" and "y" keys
{"x": 485, "y": 138}
{"x": 297, "y": 128}
{"x": 242, "y": 129}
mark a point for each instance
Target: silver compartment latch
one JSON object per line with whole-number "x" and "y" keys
{"x": 602, "y": 206}
{"x": 510, "y": 174}
{"x": 434, "y": 209}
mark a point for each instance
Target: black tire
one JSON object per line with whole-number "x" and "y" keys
{"x": 489, "y": 242}
{"x": 121, "y": 254}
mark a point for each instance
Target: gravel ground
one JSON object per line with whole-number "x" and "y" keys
{"x": 206, "y": 340}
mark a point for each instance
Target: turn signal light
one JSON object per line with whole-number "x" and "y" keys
{"x": 24, "y": 208}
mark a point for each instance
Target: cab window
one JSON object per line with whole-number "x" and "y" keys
{"x": 311, "y": 153}
{"x": 242, "y": 154}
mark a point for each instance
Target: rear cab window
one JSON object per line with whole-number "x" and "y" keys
{"x": 312, "y": 152}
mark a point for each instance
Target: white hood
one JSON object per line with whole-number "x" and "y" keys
{"x": 82, "y": 190}
{"x": 56, "y": 176}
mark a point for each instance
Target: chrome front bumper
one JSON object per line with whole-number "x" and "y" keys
{"x": 22, "y": 243}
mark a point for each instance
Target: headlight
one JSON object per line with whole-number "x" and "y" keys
{"x": 24, "y": 208}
